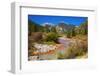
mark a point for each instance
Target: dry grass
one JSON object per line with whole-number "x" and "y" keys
{"x": 78, "y": 48}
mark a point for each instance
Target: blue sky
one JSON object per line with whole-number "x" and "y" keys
{"x": 41, "y": 19}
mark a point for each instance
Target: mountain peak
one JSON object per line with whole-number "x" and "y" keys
{"x": 48, "y": 24}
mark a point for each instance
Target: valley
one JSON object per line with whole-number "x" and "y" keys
{"x": 48, "y": 41}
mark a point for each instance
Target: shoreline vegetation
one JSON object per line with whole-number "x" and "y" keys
{"x": 62, "y": 41}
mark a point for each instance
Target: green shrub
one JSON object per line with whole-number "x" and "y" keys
{"x": 51, "y": 37}
{"x": 61, "y": 55}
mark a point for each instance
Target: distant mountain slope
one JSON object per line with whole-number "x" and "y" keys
{"x": 60, "y": 27}
{"x": 34, "y": 27}
{"x": 65, "y": 26}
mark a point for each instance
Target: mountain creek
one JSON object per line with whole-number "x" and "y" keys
{"x": 57, "y": 48}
